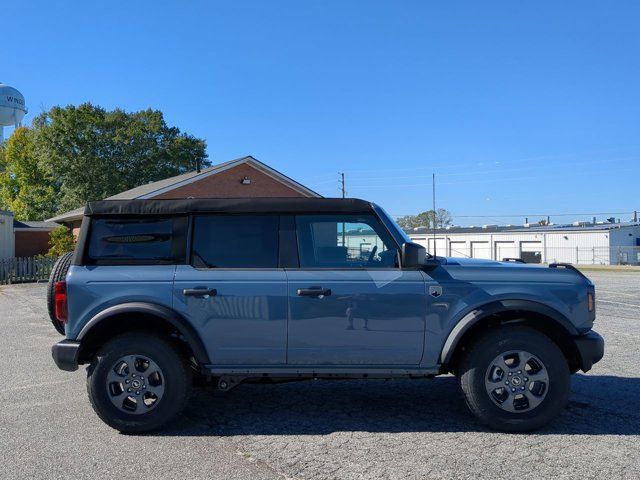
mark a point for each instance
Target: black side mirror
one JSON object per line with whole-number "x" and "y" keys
{"x": 413, "y": 255}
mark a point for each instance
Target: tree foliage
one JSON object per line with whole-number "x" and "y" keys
{"x": 84, "y": 153}
{"x": 443, "y": 218}
{"x": 61, "y": 241}
{"x": 26, "y": 184}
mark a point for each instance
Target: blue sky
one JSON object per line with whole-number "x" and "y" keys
{"x": 519, "y": 108}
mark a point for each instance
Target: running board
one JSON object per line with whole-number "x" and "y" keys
{"x": 319, "y": 371}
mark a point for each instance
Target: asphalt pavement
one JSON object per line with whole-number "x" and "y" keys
{"x": 321, "y": 429}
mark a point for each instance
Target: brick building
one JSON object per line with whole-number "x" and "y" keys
{"x": 240, "y": 178}
{"x": 21, "y": 238}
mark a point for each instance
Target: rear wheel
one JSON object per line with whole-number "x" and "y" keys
{"x": 58, "y": 273}
{"x": 138, "y": 383}
{"x": 515, "y": 379}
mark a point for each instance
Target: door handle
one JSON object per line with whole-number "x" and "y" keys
{"x": 314, "y": 292}
{"x": 200, "y": 292}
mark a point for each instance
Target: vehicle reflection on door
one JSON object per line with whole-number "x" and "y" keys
{"x": 371, "y": 317}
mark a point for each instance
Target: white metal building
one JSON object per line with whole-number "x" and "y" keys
{"x": 583, "y": 243}
{"x": 7, "y": 243}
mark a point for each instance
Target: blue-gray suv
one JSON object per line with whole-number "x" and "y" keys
{"x": 160, "y": 293}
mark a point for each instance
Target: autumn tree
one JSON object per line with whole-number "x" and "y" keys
{"x": 27, "y": 187}
{"x": 443, "y": 218}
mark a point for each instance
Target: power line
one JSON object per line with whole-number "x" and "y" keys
{"x": 546, "y": 214}
{"x": 497, "y": 162}
{"x": 496, "y": 179}
{"x": 481, "y": 172}
{"x": 534, "y": 215}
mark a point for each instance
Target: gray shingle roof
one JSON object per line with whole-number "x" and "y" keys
{"x": 151, "y": 187}
{"x": 147, "y": 190}
{"x": 29, "y": 224}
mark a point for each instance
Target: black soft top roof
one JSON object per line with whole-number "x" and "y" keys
{"x": 227, "y": 205}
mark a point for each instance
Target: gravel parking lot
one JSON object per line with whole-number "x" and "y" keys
{"x": 358, "y": 429}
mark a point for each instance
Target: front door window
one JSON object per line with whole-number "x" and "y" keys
{"x": 349, "y": 241}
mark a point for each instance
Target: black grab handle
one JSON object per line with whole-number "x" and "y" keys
{"x": 314, "y": 292}
{"x": 200, "y": 292}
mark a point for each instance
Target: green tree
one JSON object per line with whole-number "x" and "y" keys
{"x": 72, "y": 155}
{"x": 443, "y": 218}
{"x": 26, "y": 186}
{"x": 61, "y": 241}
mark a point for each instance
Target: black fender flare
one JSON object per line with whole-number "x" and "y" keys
{"x": 479, "y": 313}
{"x": 176, "y": 320}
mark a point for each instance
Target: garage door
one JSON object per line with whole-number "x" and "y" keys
{"x": 531, "y": 252}
{"x": 458, "y": 249}
{"x": 441, "y": 247}
{"x": 480, "y": 250}
{"x": 506, "y": 250}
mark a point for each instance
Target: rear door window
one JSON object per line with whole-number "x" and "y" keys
{"x": 235, "y": 241}
{"x": 155, "y": 240}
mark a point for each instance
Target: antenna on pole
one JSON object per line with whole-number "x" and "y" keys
{"x": 434, "y": 212}
{"x": 344, "y": 194}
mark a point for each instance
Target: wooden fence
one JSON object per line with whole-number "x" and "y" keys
{"x": 20, "y": 270}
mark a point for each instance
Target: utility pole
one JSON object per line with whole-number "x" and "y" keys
{"x": 635, "y": 215}
{"x": 433, "y": 177}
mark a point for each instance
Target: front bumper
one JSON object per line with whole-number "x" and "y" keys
{"x": 65, "y": 354}
{"x": 590, "y": 349}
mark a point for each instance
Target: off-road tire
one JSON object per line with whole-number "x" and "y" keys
{"x": 58, "y": 273}
{"x": 175, "y": 370}
{"x": 477, "y": 359}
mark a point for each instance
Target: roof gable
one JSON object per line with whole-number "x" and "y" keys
{"x": 157, "y": 188}
{"x": 154, "y": 189}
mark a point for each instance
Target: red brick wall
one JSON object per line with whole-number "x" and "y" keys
{"x": 29, "y": 244}
{"x": 227, "y": 184}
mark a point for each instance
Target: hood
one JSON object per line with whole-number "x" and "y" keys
{"x": 478, "y": 269}
{"x": 481, "y": 262}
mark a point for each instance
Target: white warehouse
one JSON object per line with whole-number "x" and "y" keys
{"x": 580, "y": 243}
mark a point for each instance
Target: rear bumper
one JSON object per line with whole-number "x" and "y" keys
{"x": 65, "y": 354}
{"x": 590, "y": 348}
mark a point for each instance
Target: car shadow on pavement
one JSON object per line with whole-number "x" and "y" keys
{"x": 599, "y": 405}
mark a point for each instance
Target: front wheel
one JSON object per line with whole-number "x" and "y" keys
{"x": 138, "y": 382}
{"x": 515, "y": 379}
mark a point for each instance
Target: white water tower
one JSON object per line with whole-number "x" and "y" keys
{"x": 12, "y": 108}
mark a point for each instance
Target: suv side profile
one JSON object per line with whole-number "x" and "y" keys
{"x": 268, "y": 290}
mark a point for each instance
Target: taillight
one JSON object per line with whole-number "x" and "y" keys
{"x": 591, "y": 304}
{"x": 60, "y": 299}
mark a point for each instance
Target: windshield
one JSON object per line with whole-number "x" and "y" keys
{"x": 395, "y": 229}
{"x": 392, "y": 225}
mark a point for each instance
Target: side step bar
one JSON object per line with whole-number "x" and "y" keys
{"x": 318, "y": 371}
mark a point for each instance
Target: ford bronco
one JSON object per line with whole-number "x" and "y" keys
{"x": 160, "y": 293}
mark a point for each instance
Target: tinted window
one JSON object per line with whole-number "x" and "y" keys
{"x": 235, "y": 241}
{"x": 345, "y": 241}
{"x": 135, "y": 240}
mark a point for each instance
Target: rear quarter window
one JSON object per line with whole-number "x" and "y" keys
{"x": 137, "y": 241}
